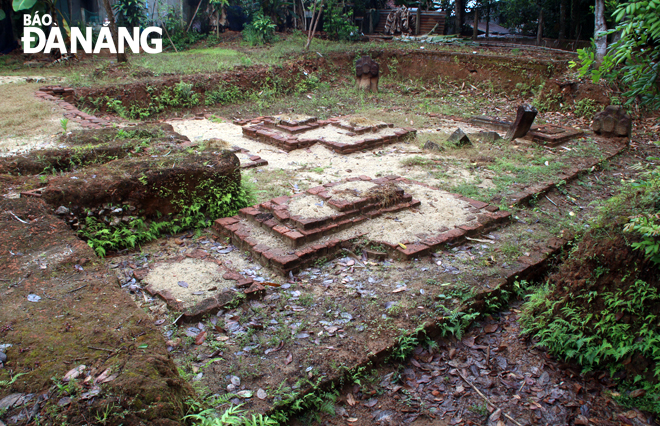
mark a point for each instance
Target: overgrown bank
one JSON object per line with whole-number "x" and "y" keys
{"x": 601, "y": 309}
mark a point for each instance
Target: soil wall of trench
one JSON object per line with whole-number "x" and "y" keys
{"x": 504, "y": 72}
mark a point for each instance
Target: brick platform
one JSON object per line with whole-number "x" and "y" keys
{"x": 303, "y": 240}
{"x": 65, "y": 97}
{"x": 289, "y": 135}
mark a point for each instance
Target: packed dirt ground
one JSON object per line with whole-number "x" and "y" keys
{"x": 175, "y": 320}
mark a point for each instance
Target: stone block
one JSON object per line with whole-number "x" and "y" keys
{"x": 524, "y": 120}
{"x": 613, "y": 121}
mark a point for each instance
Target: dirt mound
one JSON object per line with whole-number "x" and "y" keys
{"x": 85, "y": 147}
{"x": 152, "y": 186}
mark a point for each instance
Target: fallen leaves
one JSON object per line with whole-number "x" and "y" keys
{"x": 491, "y": 328}
{"x": 201, "y": 337}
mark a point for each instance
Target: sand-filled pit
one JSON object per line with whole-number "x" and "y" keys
{"x": 351, "y": 191}
{"x": 310, "y": 206}
{"x": 332, "y": 133}
{"x": 360, "y": 122}
{"x": 294, "y": 118}
{"x": 188, "y": 282}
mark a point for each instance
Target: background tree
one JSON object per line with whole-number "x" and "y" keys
{"x": 634, "y": 59}
{"x": 121, "y": 57}
{"x": 130, "y": 13}
{"x": 600, "y": 28}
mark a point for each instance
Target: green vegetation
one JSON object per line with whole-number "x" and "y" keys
{"x": 610, "y": 318}
{"x": 647, "y": 224}
{"x": 211, "y": 203}
{"x": 198, "y": 60}
{"x": 571, "y": 330}
{"x": 260, "y": 31}
{"x": 633, "y": 59}
{"x": 130, "y": 13}
{"x": 337, "y": 24}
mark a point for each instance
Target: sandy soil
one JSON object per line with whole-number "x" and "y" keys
{"x": 16, "y": 146}
{"x": 310, "y": 206}
{"x": 449, "y": 126}
{"x": 360, "y": 122}
{"x": 293, "y": 117}
{"x": 201, "y": 280}
{"x": 336, "y": 134}
{"x": 351, "y": 191}
{"x": 4, "y": 79}
{"x": 379, "y": 162}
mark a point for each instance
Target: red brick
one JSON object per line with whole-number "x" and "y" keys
{"x": 450, "y": 235}
{"x": 500, "y": 216}
{"x": 315, "y": 190}
{"x": 373, "y": 214}
{"x": 226, "y": 221}
{"x": 233, "y": 227}
{"x": 244, "y": 282}
{"x": 320, "y": 249}
{"x": 477, "y": 204}
{"x": 242, "y": 233}
{"x": 332, "y": 243}
{"x": 413, "y": 250}
{"x": 329, "y": 228}
{"x": 270, "y": 223}
{"x": 281, "y": 214}
{"x": 249, "y": 211}
{"x": 256, "y": 291}
{"x": 260, "y": 248}
{"x": 340, "y": 204}
{"x": 491, "y": 208}
{"x": 235, "y": 276}
{"x": 251, "y": 242}
{"x": 472, "y": 229}
{"x": 295, "y": 236}
{"x": 305, "y": 252}
{"x": 287, "y": 261}
{"x": 281, "y": 229}
{"x": 280, "y": 200}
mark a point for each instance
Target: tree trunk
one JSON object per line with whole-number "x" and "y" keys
{"x": 539, "y": 31}
{"x": 458, "y": 11}
{"x": 574, "y": 20}
{"x": 121, "y": 57}
{"x": 475, "y": 24}
{"x": 600, "y": 27}
{"x": 313, "y": 25}
{"x": 69, "y": 4}
{"x": 487, "y": 18}
{"x": 562, "y": 20}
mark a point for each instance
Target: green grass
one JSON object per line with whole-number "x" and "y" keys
{"x": 192, "y": 61}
